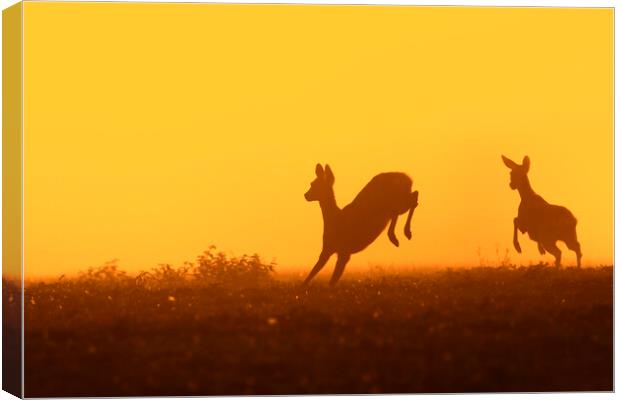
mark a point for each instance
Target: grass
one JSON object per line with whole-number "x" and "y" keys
{"x": 196, "y": 330}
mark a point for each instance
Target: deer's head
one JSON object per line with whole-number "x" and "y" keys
{"x": 518, "y": 173}
{"x": 321, "y": 186}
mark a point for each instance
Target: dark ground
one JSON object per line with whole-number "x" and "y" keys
{"x": 475, "y": 330}
{"x": 11, "y": 340}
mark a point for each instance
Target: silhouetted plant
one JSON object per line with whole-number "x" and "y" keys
{"x": 503, "y": 260}
{"x": 107, "y": 273}
{"x": 211, "y": 267}
{"x": 217, "y": 267}
{"x": 169, "y": 274}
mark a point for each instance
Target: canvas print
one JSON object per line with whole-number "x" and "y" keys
{"x": 232, "y": 199}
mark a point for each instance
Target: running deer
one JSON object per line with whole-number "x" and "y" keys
{"x": 545, "y": 223}
{"x": 351, "y": 229}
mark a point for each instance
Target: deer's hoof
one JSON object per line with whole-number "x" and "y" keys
{"x": 518, "y": 248}
{"x": 408, "y": 234}
{"x": 394, "y": 241}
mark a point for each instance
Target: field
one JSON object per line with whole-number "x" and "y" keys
{"x": 233, "y": 327}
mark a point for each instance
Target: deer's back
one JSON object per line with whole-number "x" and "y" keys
{"x": 368, "y": 214}
{"x": 383, "y": 192}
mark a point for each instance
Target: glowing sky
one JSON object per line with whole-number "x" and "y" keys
{"x": 155, "y": 130}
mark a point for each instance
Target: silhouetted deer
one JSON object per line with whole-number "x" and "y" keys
{"x": 545, "y": 223}
{"x": 353, "y": 228}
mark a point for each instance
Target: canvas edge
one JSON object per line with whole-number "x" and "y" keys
{"x": 12, "y": 206}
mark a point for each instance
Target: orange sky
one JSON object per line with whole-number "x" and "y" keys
{"x": 155, "y": 130}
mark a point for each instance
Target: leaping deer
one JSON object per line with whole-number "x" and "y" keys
{"x": 351, "y": 229}
{"x": 545, "y": 223}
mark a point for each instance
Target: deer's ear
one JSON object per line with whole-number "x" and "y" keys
{"x": 526, "y": 163}
{"x": 509, "y": 163}
{"x": 318, "y": 170}
{"x": 329, "y": 175}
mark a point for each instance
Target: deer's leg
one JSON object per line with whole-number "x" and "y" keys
{"x": 574, "y": 245}
{"x": 391, "y": 233}
{"x": 323, "y": 257}
{"x": 343, "y": 259}
{"x": 552, "y": 247}
{"x": 515, "y": 239}
{"x": 541, "y": 249}
{"x": 414, "y": 204}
